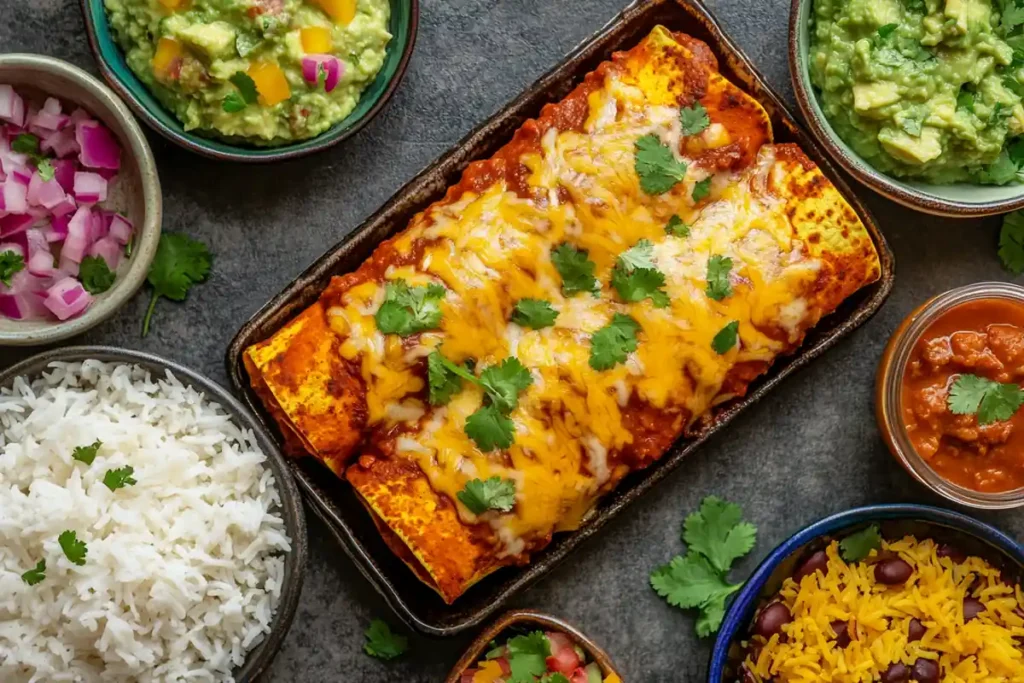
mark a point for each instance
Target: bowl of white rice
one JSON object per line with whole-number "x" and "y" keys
{"x": 149, "y": 529}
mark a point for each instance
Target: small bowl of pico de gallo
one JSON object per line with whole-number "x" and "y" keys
{"x": 524, "y": 645}
{"x": 949, "y": 399}
{"x": 80, "y": 202}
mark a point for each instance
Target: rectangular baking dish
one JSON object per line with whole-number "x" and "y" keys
{"x": 333, "y": 499}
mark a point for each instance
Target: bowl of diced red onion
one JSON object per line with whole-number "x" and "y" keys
{"x": 80, "y": 203}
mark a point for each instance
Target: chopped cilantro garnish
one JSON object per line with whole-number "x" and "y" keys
{"x": 88, "y": 453}
{"x": 95, "y": 275}
{"x": 407, "y": 310}
{"x": 382, "y": 642}
{"x": 656, "y": 166}
{"x": 74, "y": 549}
{"x": 990, "y": 401}
{"x": 489, "y": 428}
{"x": 911, "y": 126}
{"x": 34, "y": 576}
{"x": 965, "y": 100}
{"x": 11, "y": 263}
{"x": 1011, "y": 242}
{"x": 701, "y": 189}
{"x": 180, "y": 262}
{"x": 726, "y": 338}
{"x": 887, "y": 30}
{"x": 718, "y": 286}
{"x": 246, "y": 42}
{"x": 504, "y": 382}
{"x": 495, "y": 493}
{"x": 119, "y": 478}
{"x": 719, "y": 533}
{"x": 233, "y": 102}
{"x": 246, "y": 86}
{"x": 46, "y": 170}
{"x": 859, "y": 545}
{"x": 999, "y": 172}
{"x": 534, "y": 313}
{"x": 25, "y": 143}
{"x": 611, "y": 344}
{"x": 635, "y": 278}
{"x": 444, "y": 378}
{"x": 677, "y": 227}
{"x": 694, "y": 119}
{"x": 576, "y": 269}
{"x": 527, "y": 656}
{"x": 638, "y": 256}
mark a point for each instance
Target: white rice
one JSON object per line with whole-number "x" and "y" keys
{"x": 184, "y": 569}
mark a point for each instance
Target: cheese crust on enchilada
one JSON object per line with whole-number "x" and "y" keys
{"x": 632, "y": 258}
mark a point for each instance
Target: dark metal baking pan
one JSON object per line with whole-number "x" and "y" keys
{"x": 334, "y": 501}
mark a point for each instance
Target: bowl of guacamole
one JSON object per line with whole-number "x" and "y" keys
{"x": 923, "y": 100}
{"x": 253, "y": 80}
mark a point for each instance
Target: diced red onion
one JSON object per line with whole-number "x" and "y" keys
{"x": 99, "y": 226}
{"x": 36, "y": 241}
{"x": 79, "y": 232}
{"x": 107, "y": 249}
{"x": 25, "y": 306}
{"x": 18, "y": 249}
{"x": 121, "y": 229}
{"x": 21, "y": 175}
{"x": 67, "y": 298}
{"x": 65, "y": 207}
{"x": 58, "y": 230}
{"x": 98, "y": 147}
{"x": 15, "y": 196}
{"x": 12, "y": 107}
{"x": 64, "y": 173}
{"x": 67, "y": 266}
{"x": 62, "y": 143}
{"x": 90, "y": 187}
{"x": 15, "y": 223}
{"x": 41, "y": 264}
{"x": 332, "y": 66}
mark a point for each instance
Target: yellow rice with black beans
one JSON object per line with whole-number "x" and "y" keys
{"x": 985, "y": 648}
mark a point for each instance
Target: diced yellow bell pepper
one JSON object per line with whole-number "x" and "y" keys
{"x": 342, "y": 11}
{"x": 316, "y": 39}
{"x": 167, "y": 55}
{"x": 489, "y": 673}
{"x": 175, "y": 5}
{"x": 270, "y": 83}
{"x": 612, "y": 678}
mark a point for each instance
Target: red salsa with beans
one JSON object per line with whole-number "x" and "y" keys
{"x": 972, "y": 350}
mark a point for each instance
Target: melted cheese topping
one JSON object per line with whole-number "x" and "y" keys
{"x": 491, "y": 249}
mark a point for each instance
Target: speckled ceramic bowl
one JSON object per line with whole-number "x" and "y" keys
{"x": 895, "y": 521}
{"x": 259, "y": 658}
{"x": 960, "y": 200}
{"x": 519, "y": 622}
{"x": 135, "y": 194}
{"x": 110, "y": 59}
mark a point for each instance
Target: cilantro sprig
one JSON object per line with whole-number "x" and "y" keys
{"x": 694, "y": 119}
{"x": 701, "y": 189}
{"x": 1011, "y": 242}
{"x": 444, "y": 378}
{"x": 726, "y": 338}
{"x": 575, "y": 269}
{"x": 490, "y": 428}
{"x": 859, "y": 545}
{"x": 88, "y": 453}
{"x": 11, "y": 263}
{"x": 74, "y": 549}
{"x": 494, "y": 493}
{"x": 407, "y": 310}
{"x": 527, "y": 655}
{"x": 382, "y": 642}
{"x": 246, "y": 94}
{"x": 716, "y": 536}
{"x": 718, "y": 286}
{"x": 119, "y": 478}
{"x": 96, "y": 275}
{"x": 534, "y": 313}
{"x": 991, "y": 401}
{"x": 676, "y": 226}
{"x": 36, "y": 574}
{"x": 635, "y": 278}
{"x": 180, "y": 262}
{"x": 656, "y": 166}
{"x": 504, "y": 382}
{"x": 612, "y": 343}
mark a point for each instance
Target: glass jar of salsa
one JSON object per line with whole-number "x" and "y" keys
{"x": 949, "y": 399}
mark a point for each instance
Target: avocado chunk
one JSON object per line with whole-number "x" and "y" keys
{"x": 215, "y": 40}
{"x": 868, "y": 96}
{"x": 919, "y": 150}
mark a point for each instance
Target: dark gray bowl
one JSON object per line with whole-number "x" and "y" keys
{"x": 291, "y": 505}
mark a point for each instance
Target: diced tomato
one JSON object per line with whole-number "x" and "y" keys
{"x": 579, "y": 676}
{"x": 563, "y": 657}
{"x": 467, "y": 676}
{"x": 506, "y": 670}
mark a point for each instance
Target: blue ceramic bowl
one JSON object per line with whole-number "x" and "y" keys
{"x": 110, "y": 59}
{"x": 895, "y": 521}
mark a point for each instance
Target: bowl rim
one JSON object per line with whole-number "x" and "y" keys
{"x": 148, "y": 233}
{"x": 859, "y": 169}
{"x": 737, "y": 617}
{"x": 259, "y": 658}
{"x": 295, "y": 150}
{"x": 528, "y": 616}
{"x": 888, "y": 393}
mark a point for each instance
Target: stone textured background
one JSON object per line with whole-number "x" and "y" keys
{"x": 810, "y": 450}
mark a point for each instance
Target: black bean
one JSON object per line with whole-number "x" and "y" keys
{"x": 972, "y": 608}
{"x": 925, "y": 671}
{"x": 916, "y": 630}
{"x": 816, "y": 562}
{"x": 952, "y": 552}
{"x": 842, "y": 631}
{"x": 771, "y": 620}
{"x": 896, "y": 673}
{"x": 893, "y": 572}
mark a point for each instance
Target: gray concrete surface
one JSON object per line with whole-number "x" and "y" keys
{"x": 810, "y": 450}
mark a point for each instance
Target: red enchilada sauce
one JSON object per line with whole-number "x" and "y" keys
{"x": 983, "y": 338}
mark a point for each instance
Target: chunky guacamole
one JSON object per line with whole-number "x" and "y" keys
{"x": 266, "y": 71}
{"x": 924, "y": 89}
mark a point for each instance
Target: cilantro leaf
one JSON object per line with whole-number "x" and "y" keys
{"x": 96, "y": 275}
{"x": 382, "y": 642}
{"x": 911, "y": 126}
{"x": 1013, "y": 15}
{"x": 119, "y": 478}
{"x": 74, "y": 549}
{"x": 640, "y": 284}
{"x": 407, "y": 310}
{"x": 26, "y": 143}
{"x": 554, "y": 678}
{"x": 34, "y": 576}
{"x": 701, "y": 189}
{"x": 180, "y": 262}
{"x": 638, "y": 256}
{"x": 86, "y": 454}
{"x": 990, "y": 400}
{"x": 233, "y": 103}
{"x": 1015, "y": 150}
{"x": 489, "y": 428}
{"x": 709, "y": 620}
{"x": 965, "y": 100}
{"x": 611, "y": 344}
{"x": 576, "y": 270}
{"x": 491, "y": 494}
{"x": 527, "y": 655}
{"x": 246, "y": 42}
{"x": 677, "y": 227}
{"x": 1011, "y": 242}
{"x": 46, "y": 170}
{"x": 442, "y": 382}
{"x": 534, "y": 313}
{"x": 999, "y": 172}
{"x": 656, "y": 166}
{"x": 726, "y": 338}
{"x": 692, "y": 582}
{"x": 859, "y": 545}
{"x": 887, "y": 30}
{"x": 11, "y": 263}
{"x": 504, "y": 382}
{"x": 718, "y": 533}
{"x": 246, "y": 86}
{"x": 718, "y": 286}
{"x": 694, "y": 119}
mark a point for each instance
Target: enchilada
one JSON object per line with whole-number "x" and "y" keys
{"x": 632, "y": 258}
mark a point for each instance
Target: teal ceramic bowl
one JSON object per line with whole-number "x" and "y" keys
{"x": 112, "y": 64}
{"x": 960, "y": 200}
